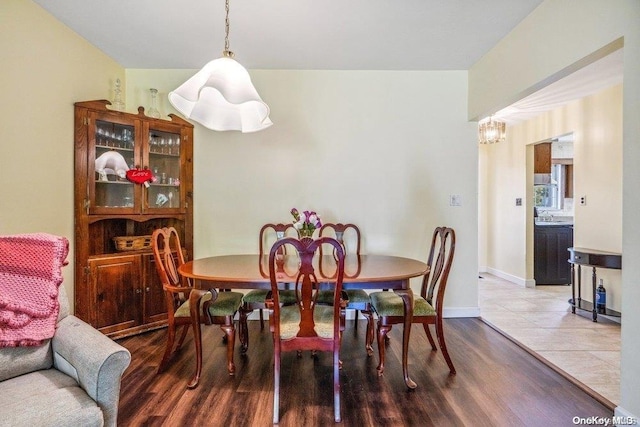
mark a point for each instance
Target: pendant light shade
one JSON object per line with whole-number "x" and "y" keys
{"x": 491, "y": 131}
{"x": 221, "y": 96}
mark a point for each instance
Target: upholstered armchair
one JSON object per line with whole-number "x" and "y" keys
{"x": 72, "y": 379}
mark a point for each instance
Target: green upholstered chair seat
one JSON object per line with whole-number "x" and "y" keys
{"x": 257, "y": 296}
{"x": 356, "y": 296}
{"x": 390, "y": 304}
{"x": 226, "y": 304}
{"x": 290, "y": 321}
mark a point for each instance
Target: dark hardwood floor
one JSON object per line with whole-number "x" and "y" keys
{"x": 498, "y": 384}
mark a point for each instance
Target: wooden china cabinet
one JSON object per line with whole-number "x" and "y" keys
{"x": 116, "y": 285}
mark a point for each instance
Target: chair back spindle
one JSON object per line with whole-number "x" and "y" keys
{"x": 271, "y": 233}
{"x": 168, "y": 255}
{"x": 443, "y": 244}
{"x": 347, "y": 234}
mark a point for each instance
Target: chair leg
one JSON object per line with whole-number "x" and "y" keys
{"x": 443, "y": 345}
{"x": 243, "y": 330}
{"x": 171, "y": 335}
{"x": 382, "y": 333}
{"x": 370, "y": 332}
{"x": 429, "y": 336}
{"x": 230, "y": 333}
{"x": 185, "y": 330}
{"x": 276, "y": 385}
{"x": 339, "y": 345}
{"x": 336, "y": 386}
{"x": 355, "y": 327}
{"x": 197, "y": 339}
{"x": 261, "y": 319}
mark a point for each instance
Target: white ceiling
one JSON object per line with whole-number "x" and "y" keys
{"x": 321, "y": 35}
{"x": 295, "y": 34}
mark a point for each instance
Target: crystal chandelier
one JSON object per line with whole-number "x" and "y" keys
{"x": 491, "y": 131}
{"x": 221, "y": 96}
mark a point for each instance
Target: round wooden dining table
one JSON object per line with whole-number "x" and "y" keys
{"x": 251, "y": 271}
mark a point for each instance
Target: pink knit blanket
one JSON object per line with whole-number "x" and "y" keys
{"x": 30, "y": 274}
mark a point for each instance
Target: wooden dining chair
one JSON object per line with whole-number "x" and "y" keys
{"x": 188, "y": 306}
{"x": 390, "y": 309}
{"x": 255, "y": 299}
{"x": 358, "y": 298}
{"x": 306, "y": 325}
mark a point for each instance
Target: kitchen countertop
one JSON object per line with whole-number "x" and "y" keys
{"x": 553, "y": 223}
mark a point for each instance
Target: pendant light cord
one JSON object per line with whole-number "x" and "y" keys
{"x": 226, "y": 51}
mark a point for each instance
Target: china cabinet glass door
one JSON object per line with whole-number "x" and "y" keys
{"x": 112, "y": 148}
{"x": 164, "y": 154}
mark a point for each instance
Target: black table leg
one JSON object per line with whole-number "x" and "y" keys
{"x": 595, "y": 309}
{"x": 573, "y": 289}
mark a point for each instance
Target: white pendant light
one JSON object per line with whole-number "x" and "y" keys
{"x": 221, "y": 96}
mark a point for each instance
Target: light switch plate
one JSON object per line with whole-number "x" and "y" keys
{"x": 455, "y": 200}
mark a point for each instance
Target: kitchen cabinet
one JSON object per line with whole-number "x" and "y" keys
{"x": 542, "y": 158}
{"x": 116, "y": 285}
{"x": 551, "y": 257}
{"x": 568, "y": 181}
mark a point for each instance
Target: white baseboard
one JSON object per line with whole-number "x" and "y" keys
{"x": 459, "y": 312}
{"x": 527, "y": 283}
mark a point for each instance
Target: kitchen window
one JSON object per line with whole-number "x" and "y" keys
{"x": 551, "y": 195}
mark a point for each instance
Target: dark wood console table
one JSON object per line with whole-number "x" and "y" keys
{"x": 592, "y": 258}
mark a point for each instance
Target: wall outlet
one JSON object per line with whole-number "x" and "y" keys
{"x": 455, "y": 200}
{"x": 583, "y": 200}
{"x": 518, "y": 201}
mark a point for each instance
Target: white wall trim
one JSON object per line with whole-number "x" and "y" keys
{"x": 621, "y": 412}
{"x": 527, "y": 283}
{"x": 459, "y": 312}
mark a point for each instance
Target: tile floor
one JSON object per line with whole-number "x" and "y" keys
{"x": 540, "y": 319}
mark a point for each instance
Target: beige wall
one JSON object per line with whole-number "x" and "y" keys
{"x": 45, "y": 68}
{"x": 557, "y": 38}
{"x": 596, "y": 124}
{"x": 381, "y": 149}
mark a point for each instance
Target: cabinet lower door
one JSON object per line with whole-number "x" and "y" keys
{"x": 155, "y": 306}
{"x": 115, "y": 281}
{"x": 551, "y": 255}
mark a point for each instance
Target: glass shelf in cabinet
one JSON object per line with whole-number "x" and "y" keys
{"x": 155, "y": 153}
{"x": 109, "y": 147}
{"x": 125, "y": 182}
